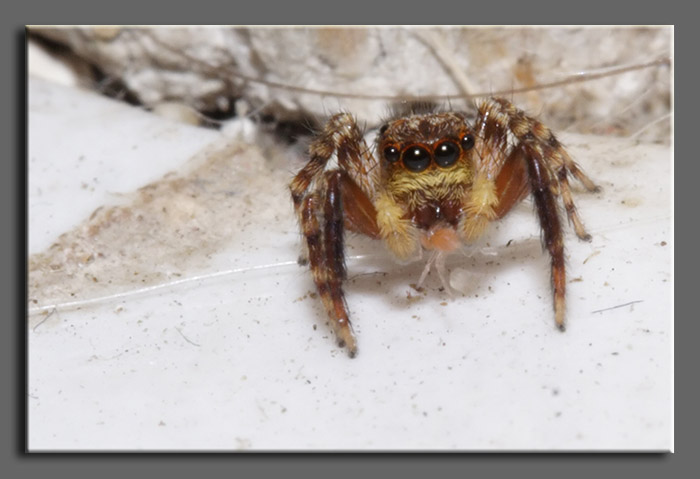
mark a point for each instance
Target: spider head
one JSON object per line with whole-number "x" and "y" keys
{"x": 425, "y": 142}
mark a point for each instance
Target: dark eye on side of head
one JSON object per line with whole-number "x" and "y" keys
{"x": 392, "y": 154}
{"x": 467, "y": 141}
{"x": 446, "y": 153}
{"x": 416, "y": 158}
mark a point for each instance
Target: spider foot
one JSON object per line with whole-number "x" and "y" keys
{"x": 346, "y": 338}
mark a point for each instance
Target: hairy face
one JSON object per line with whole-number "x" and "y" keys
{"x": 426, "y": 155}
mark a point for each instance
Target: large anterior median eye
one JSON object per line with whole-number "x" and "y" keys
{"x": 416, "y": 158}
{"x": 446, "y": 153}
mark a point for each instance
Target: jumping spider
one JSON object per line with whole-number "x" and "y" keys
{"x": 437, "y": 183}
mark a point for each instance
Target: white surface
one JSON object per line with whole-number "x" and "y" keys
{"x": 244, "y": 359}
{"x": 83, "y": 153}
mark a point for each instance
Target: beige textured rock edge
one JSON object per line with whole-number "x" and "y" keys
{"x": 207, "y": 68}
{"x": 163, "y": 230}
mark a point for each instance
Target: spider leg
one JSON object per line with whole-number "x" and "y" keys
{"x": 556, "y": 159}
{"x": 329, "y": 198}
{"x": 548, "y": 215}
{"x": 576, "y": 171}
{"x": 360, "y": 214}
{"x": 537, "y": 163}
{"x": 512, "y": 183}
{"x": 525, "y": 172}
{"x": 340, "y": 136}
{"x": 304, "y": 205}
{"x": 324, "y": 240}
{"x": 569, "y": 205}
{"x": 565, "y": 166}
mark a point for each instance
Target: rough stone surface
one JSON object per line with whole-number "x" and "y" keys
{"x": 272, "y": 70}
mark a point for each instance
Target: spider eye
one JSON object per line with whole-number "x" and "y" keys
{"x": 446, "y": 154}
{"x": 467, "y": 142}
{"x": 391, "y": 153}
{"x": 416, "y": 158}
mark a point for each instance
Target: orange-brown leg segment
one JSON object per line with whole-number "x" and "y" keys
{"x": 512, "y": 184}
{"x": 360, "y": 213}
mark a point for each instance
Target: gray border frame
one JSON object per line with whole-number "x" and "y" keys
{"x": 17, "y": 463}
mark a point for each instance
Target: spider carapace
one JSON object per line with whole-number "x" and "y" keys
{"x": 434, "y": 184}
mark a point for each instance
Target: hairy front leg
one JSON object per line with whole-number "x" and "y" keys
{"x": 548, "y": 214}
{"x": 324, "y": 240}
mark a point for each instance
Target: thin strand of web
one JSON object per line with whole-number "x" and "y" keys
{"x": 169, "y": 284}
